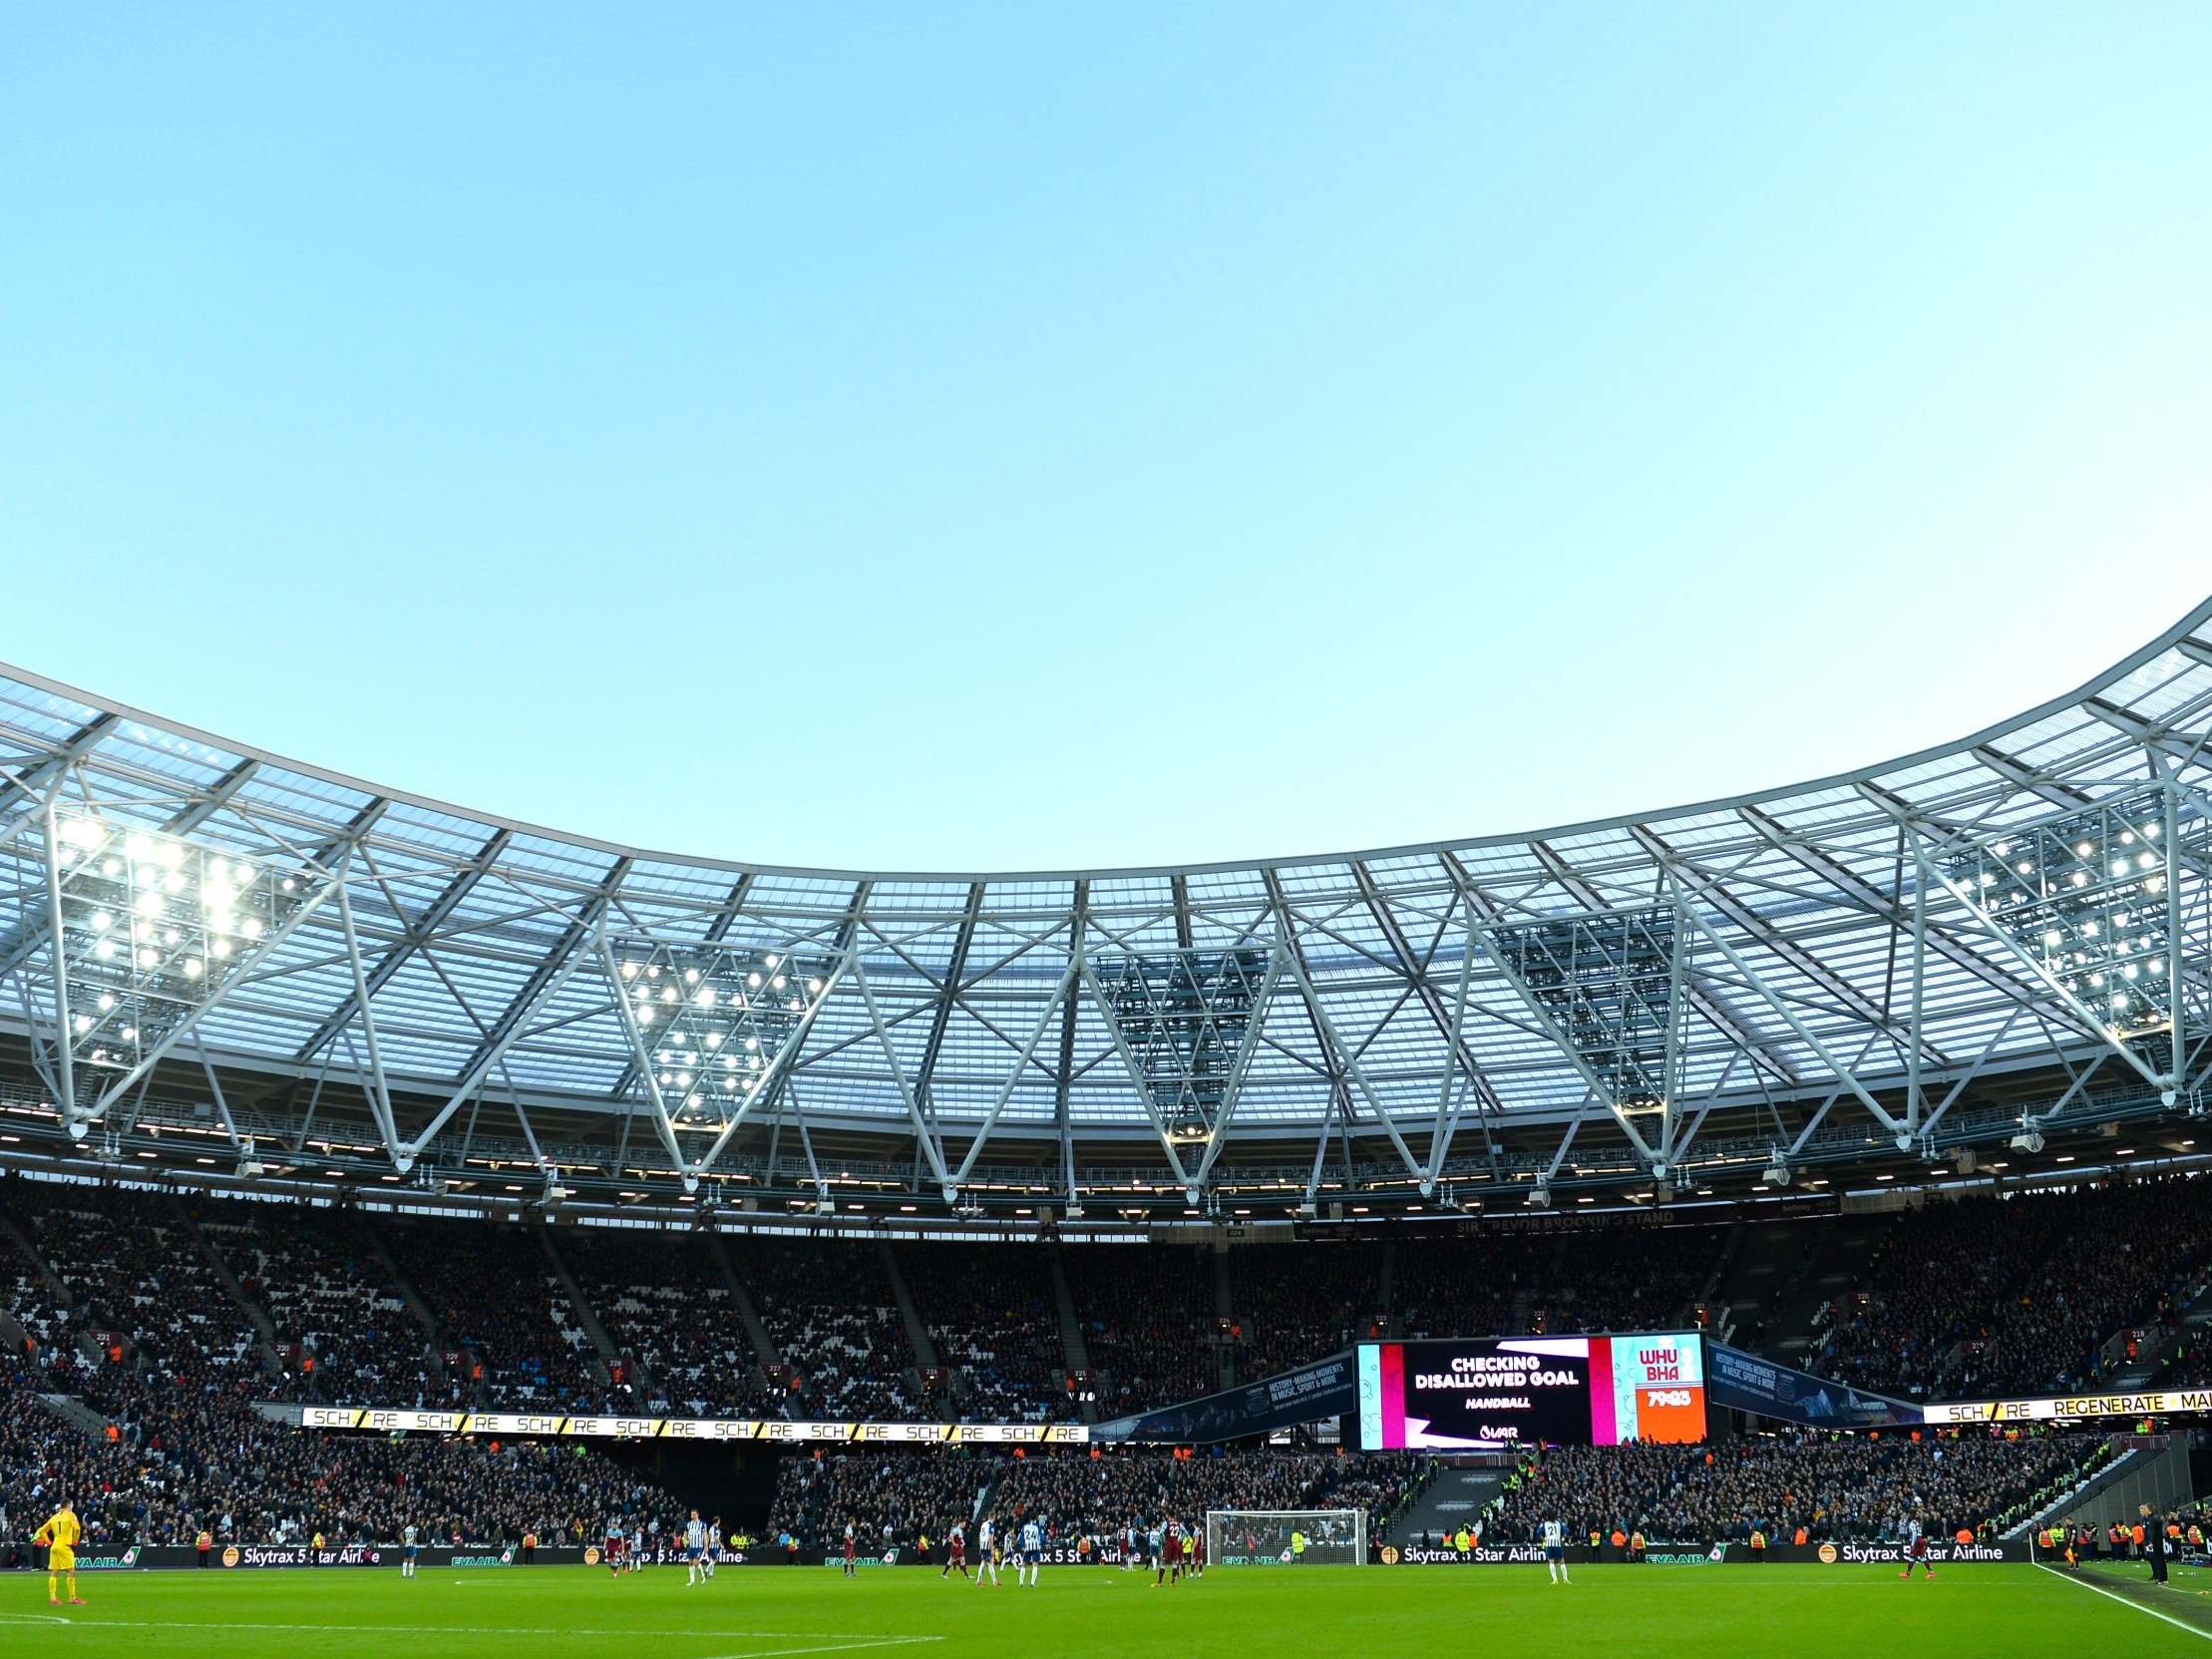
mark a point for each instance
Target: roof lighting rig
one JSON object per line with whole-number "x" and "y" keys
{"x": 711, "y": 1020}
{"x": 147, "y": 931}
{"x": 2092, "y": 898}
{"x": 713, "y": 1028}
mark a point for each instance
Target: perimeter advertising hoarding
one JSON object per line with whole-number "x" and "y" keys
{"x": 397, "y": 1421}
{"x": 1751, "y": 1384}
{"x": 2053, "y": 1407}
{"x": 1493, "y": 1394}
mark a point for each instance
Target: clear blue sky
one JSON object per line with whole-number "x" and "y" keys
{"x": 984, "y": 437}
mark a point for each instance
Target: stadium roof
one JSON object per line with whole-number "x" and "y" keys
{"x": 1802, "y": 971}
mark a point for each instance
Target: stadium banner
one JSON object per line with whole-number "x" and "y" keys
{"x": 2053, "y": 1407}
{"x": 1787, "y": 1395}
{"x": 385, "y": 1419}
{"x": 1705, "y": 1555}
{"x": 227, "y": 1557}
{"x": 1498, "y": 1394}
{"x": 1306, "y": 1395}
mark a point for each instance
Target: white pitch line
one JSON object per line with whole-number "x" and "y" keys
{"x": 473, "y": 1631}
{"x": 2113, "y": 1596}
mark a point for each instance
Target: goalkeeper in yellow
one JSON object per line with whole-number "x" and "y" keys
{"x": 60, "y": 1535}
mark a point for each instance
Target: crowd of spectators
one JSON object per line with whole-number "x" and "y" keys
{"x": 1150, "y": 1321}
{"x": 834, "y": 1319}
{"x": 341, "y": 1326}
{"x": 916, "y": 1494}
{"x": 503, "y": 1314}
{"x": 666, "y": 1304}
{"x": 991, "y": 1317}
{"x": 133, "y": 1267}
{"x": 1618, "y": 1278}
{"x": 1837, "y": 1487}
{"x": 1293, "y": 1302}
{"x": 1992, "y": 1297}
{"x": 187, "y": 1454}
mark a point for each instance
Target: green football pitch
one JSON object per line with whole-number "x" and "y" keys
{"x": 1102, "y": 1613}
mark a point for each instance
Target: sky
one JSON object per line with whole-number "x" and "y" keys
{"x": 1001, "y": 437}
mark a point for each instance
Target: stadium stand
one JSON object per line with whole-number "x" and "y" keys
{"x": 341, "y": 1324}
{"x": 990, "y": 1314}
{"x": 501, "y": 1310}
{"x": 1293, "y": 1304}
{"x": 665, "y": 1303}
{"x": 1148, "y": 1317}
{"x": 835, "y": 1322}
{"x": 1837, "y": 1487}
{"x": 151, "y": 1347}
{"x": 1978, "y": 1299}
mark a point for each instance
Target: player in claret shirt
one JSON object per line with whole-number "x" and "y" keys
{"x": 1916, "y": 1549}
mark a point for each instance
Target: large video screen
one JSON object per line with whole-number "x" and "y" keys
{"x": 1493, "y": 1394}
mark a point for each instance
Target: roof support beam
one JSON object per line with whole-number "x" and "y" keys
{"x": 544, "y": 983}
{"x": 1872, "y": 900}
{"x": 418, "y": 934}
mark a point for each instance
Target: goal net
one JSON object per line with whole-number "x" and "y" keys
{"x": 1287, "y": 1537}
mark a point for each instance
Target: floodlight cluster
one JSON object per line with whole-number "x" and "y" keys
{"x": 152, "y": 924}
{"x": 2087, "y": 895}
{"x": 710, "y": 1020}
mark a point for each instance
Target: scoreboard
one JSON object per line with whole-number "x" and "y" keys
{"x": 1495, "y": 1393}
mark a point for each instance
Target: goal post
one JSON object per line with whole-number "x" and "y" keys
{"x": 1287, "y": 1537}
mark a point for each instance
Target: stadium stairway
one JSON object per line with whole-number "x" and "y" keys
{"x": 2162, "y": 1362}
{"x": 587, "y": 1319}
{"x": 76, "y": 1413}
{"x": 1073, "y": 1349}
{"x": 87, "y": 1344}
{"x": 918, "y": 1334}
{"x": 1760, "y": 1266}
{"x": 1224, "y": 1321}
{"x": 271, "y": 1361}
{"x": 764, "y": 1346}
{"x": 1455, "y": 1497}
{"x": 1787, "y": 1271}
{"x": 2149, "y": 1468}
{"x": 434, "y": 1357}
{"x": 1708, "y": 1293}
{"x": 30, "y": 1253}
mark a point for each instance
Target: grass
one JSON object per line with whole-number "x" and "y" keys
{"x": 1101, "y": 1614}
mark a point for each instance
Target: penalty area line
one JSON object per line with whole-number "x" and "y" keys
{"x": 2125, "y": 1601}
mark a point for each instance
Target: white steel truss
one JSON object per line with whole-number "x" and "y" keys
{"x": 1809, "y": 966}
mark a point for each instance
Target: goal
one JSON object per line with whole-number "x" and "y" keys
{"x": 1287, "y": 1537}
